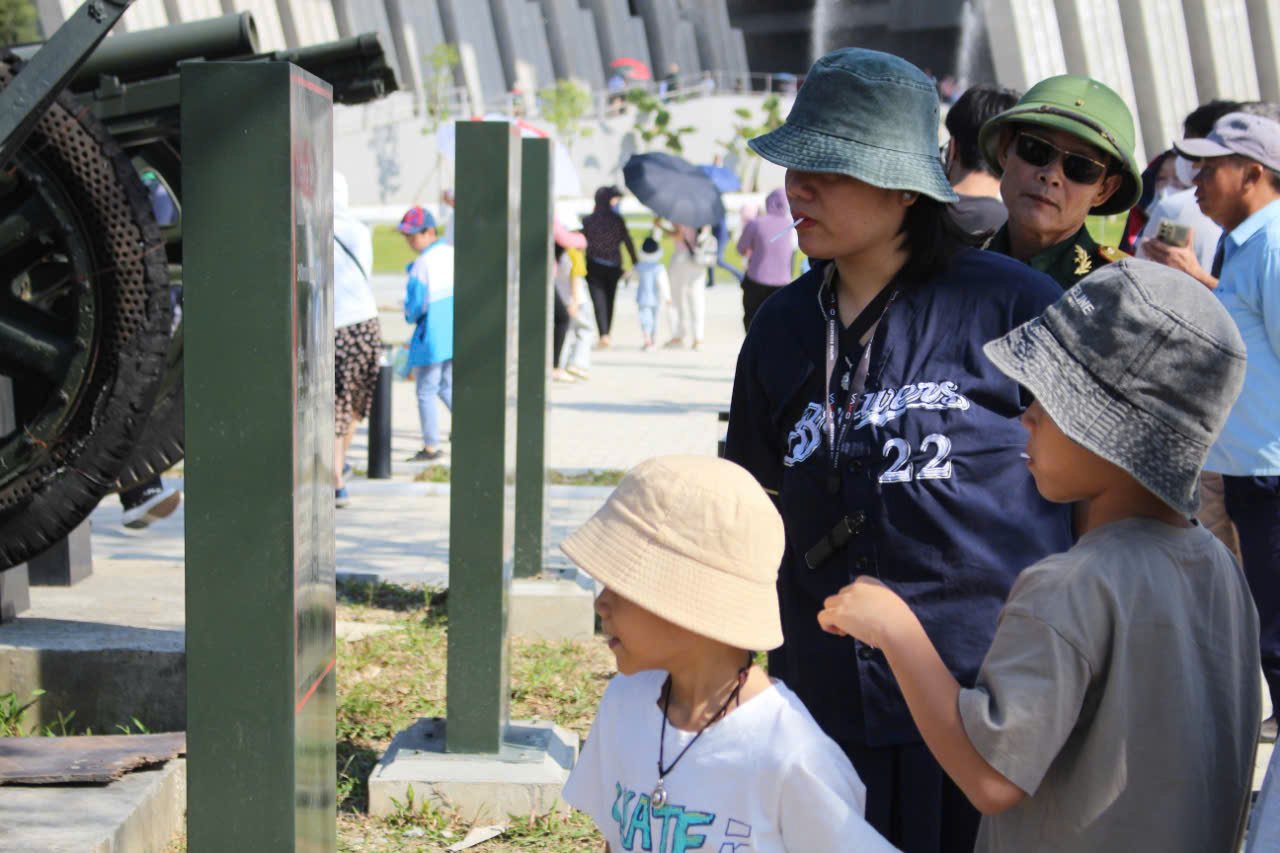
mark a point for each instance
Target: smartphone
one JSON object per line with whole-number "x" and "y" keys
{"x": 1172, "y": 233}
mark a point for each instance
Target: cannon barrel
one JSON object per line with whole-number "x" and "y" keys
{"x": 153, "y": 53}
{"x": 356, "y": 67}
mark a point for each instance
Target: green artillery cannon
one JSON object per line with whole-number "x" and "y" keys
{"x": 91, "y": 392}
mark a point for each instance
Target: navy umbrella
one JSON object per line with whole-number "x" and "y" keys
{"x": 673, "y": 188}
{"x": 723, "y": 177}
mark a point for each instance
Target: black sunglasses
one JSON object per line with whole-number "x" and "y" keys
{"x": 1038, "y": 152}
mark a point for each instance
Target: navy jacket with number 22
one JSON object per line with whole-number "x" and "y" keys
{"x": 930, "y": 476}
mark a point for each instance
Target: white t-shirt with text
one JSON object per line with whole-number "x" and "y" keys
{"x": 764, "y": 778}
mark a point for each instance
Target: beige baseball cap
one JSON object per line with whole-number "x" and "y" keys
{"x": 694, "y": 540}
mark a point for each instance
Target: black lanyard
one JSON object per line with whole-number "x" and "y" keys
{"x": 859, "y": 380}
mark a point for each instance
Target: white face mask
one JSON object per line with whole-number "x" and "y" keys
{"x": 1184, "y": 171}
{"x": 1164, "y": 191}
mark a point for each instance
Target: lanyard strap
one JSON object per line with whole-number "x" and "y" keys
{"x": 859, "y": 381}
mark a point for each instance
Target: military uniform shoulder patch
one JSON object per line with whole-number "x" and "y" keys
{"x": 1084, "y": 263}
{"x": 1112, "y": 254}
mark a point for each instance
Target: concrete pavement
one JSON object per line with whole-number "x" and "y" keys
{"x": 635, "y": 405}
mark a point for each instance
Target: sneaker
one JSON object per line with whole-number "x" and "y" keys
{"x": 674, "y": 343}
{"x": 578, "y": 373}
{"x": 1267, "y": 732}
{"x": 158, "y": 502}
{"x": 425, "y": 455}
{"x": 341, "y": 497}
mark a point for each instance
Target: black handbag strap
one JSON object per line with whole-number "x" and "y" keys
{"x": 352, "y": 256}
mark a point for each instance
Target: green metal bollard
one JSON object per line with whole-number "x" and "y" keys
{"x": 258, "y": 268}
{"x": 481, "y": 507}
{"x": 535, "y": 349}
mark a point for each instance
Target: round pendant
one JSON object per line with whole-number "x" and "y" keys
{"x": 658, "y": 798}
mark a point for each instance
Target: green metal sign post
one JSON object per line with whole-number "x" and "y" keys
{"x": 535, "y": 355}
{"x": 481, "y": 507}
{"x": 258, "y": 274}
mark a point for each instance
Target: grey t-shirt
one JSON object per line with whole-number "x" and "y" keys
{"x": 1121, "y": 692}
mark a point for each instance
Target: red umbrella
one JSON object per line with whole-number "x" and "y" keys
{"x": 633, "y": 68}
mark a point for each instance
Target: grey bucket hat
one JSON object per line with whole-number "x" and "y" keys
{"x": 1138, "y": 363}
{"x": 866, "y": 114}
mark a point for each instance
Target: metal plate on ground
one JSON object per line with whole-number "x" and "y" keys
{"x": 520, "y": 744}
{"x": 85, "y": 759}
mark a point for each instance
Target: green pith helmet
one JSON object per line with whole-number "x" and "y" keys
{"x": 1084, "y": 108}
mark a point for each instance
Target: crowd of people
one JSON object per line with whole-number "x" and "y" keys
{"x": 1001, "y": 502}
{"x": 969, "y": 501}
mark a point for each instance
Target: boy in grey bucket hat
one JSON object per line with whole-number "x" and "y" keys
{"x": 1123, "y": 678}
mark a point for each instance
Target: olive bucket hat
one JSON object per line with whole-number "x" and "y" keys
{"x": 866, "y": 114}
{"x": 1084, "y": 108}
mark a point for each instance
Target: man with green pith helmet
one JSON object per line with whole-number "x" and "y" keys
{"x": 1063, "y": 152}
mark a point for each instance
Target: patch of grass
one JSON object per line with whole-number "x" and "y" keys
{"x": 1107, "y": 230}
{"x": 391, "y": 253}
{"x": 388, "y": 680}
{"x": 432, "y": 474}
{"x": 11, "y": 710}
{"x": 393, "y": 597}
{"x": 607, "y": 477}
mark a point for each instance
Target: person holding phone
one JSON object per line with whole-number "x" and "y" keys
{"x": 1193, "y": 252}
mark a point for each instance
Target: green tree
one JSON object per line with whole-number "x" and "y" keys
{"x": 17, "y": 22}
{"x": 653, "y": 122}
{"x": 443, "y": 60}
{"x": 565, "y": 105}
{"x": 747, "y": 127}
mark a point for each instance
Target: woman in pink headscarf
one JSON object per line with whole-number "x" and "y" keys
{"x": 769, "y": 260}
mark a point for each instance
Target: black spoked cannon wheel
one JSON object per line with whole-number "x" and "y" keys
{"x": 85, "y": 321}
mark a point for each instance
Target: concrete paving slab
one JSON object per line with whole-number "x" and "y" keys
{"x": 140, "y": 813}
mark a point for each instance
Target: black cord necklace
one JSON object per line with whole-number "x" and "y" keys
{"x": 658, "y": 798}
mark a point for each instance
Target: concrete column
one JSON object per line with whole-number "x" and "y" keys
{"x": 591, "y": 62}
{"x": 1264, "y": 28}
{"x": 710, "y": 20}
{"x": 51, "y": 14}
{"x": 469, "y": 25}
{"x": 1155, "y": 33}
{"x": 306, "y": 22}
{"x": 687, "y": 54}
{"x": 661, "y": 24}
{"x": 406, "y": 45}
{"x": 1093, "y": 43}
{"x": 267, "y": 18}
{"x": 1026, "y": 44}
{"x": 1221, "y": 50}
{"x": 144, "y": 15}
{"x": 522, "y": 44}
{"x": 198, "y": 10}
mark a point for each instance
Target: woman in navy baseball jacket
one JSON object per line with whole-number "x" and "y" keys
{"x": 863, "y": 403}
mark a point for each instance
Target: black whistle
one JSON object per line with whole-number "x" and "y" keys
{"x": 837, "y": 537}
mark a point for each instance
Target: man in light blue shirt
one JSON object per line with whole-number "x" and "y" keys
{"x": 1238, "y": 187}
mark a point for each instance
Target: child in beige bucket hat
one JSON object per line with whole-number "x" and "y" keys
{"x": 693, "y": 745}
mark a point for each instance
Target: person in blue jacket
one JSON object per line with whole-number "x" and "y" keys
{"x": 864, "y": 404}
{"x": 428, "y": 303}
